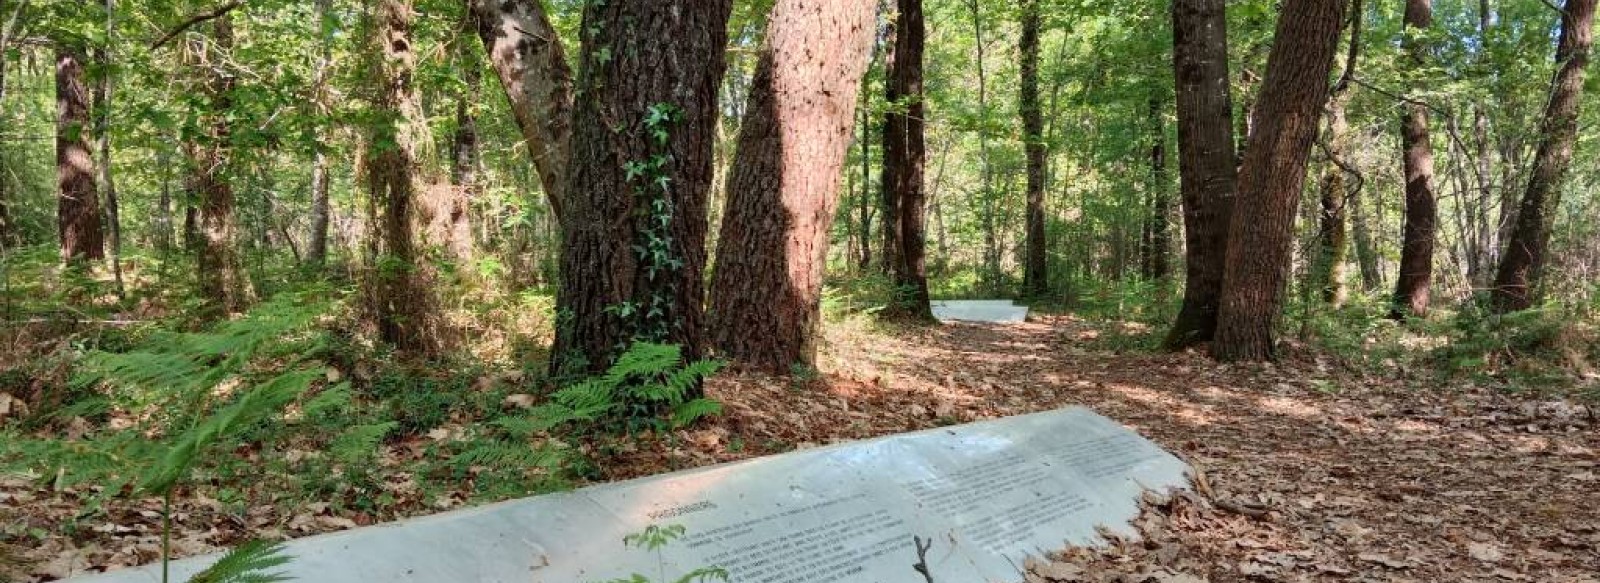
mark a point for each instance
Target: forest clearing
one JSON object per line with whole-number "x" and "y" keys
{"x": 979, "y": 282}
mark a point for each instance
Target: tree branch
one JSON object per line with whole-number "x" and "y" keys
{"x": 214, "y": 14}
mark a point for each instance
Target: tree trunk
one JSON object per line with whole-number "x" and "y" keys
{"x": 1421, "y": 223}
{"x": 398, "y": 294}
{"x": 988, "y": 214}
{"x": 1327, "y": 268}
{"x": 449, "y": 209}
{"x": 1205, "y": 161}
{"x": 222, "y": 279}
{"x": 78, "y": 205}
{"x": 865, "y": 203}
{"x": 784, "y": 189}
{"x": 1366, "y": 249}
{"x": 526, "y": 54}
{"x": 317, "y": 242}
{"x": 102, "y": 123}
{"x": 1035, "y": 279}
{"x": 905, "y": 161}
{"x": 1523, "y": 260}
{"x": 635, "y": 221}
{"x": 1156, "y": 265}
{"x": 889, "y": 254}
{"x": 1261, "y": 236}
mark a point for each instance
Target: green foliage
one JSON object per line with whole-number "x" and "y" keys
{"x": 256, "y": 405}
{"x": 653, "y": 539}
{"x": 648, "y": 388}
{"x": 358, "y": 443}
{"x": 251, "y": 562}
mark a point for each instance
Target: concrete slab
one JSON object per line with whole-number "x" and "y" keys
{"x": 991, "y": 311}
{"x": 986, "y": 494}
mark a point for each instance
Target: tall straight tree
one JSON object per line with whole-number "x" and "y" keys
{"x": 1156, "y": 240}
{"x": 784, "y": 188}
{"x": 77, "y": 203}
{"x": 1422, "y": 208}
{"x": 889, "y": 257}
{"x": 1035, "y": 279}
{"x": 905, "y": 163}
{"x": 526, "y": 54}
{"x": 317, "y": 240}
{"x": 1523, "y": 260}
{"x": 1261, "y": 236}
{"x": 1327, "y": 268}
{"x": 1205, "y": 161}
{"x": 634, "y": 226}
{"x": 223, "y": 282}
{"x": 398, "y": 294}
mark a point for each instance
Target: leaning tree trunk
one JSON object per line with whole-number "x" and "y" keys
{"x": 635, "y": 215}
{"x": 766, "y": 290}
{"x": 1421, "y": 222}
{"x": 317, "y": 240}
{"x": 1261, "y": 236}
{"x": 1205, "y": 161}
{"x": 398, "y": 288}
{"x": 222, "y": 279}
{"x": 904, "y": 164}
{"x": 1035, "y": 279}
{"x": 1523, "y": 260}
{"x": 77, "y": 204}
{"x": 526, "y": 53}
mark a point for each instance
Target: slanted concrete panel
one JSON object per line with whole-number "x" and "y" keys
{"x": 991, "y": 311}
{"x": 986, "y": 494}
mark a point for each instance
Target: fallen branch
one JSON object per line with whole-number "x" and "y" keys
{"x": 921, "y": 565}
{"x": 214, "y": 14}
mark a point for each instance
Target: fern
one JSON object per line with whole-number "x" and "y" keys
{"x": 507, "y": 456}
{"x": 357, "y": 443}
{"x": 648, "y": 381}
{"x": 251, "y": 408}
{"x": 246, "y": 563}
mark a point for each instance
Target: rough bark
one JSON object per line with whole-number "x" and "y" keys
{"x": 77, "y": 204}
{"x": 1523, "y": 260}
{"x": 1419, "y": 235}
{"x": 1261, "y": 236}
{"x": 889, "y": 253}
{"x": 904, "y": 163}
{"x": 642, "y": 167}
{"x": 1035, "y": 278}
{"x": 222, "y": 279}
{"x": 317, "y": 240}
{"x": 1205, "y": 161}
{"x": 767, "y": 288}
{"x": 527, "y": 56}
{"x": 398, "y": 294}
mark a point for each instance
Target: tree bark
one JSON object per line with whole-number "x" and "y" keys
{"x": 102, "y": 123}
{"x": 1156, "y": 265}
{"x": 635, "y": 223}
{"x": 767, "y": 288}
{"x": 889, "y": 253}
{"x": 449, "y": 209}
{"x": 317, "y": 241}
{"x": 1205, "y": 161}
{"x": 904, "y": 163}
{"x": 1522, "y": 263}
{"x": 222, "y": 279}
{"x": 1035, "y": 277}
{"x": 527, "y": 56}
{"x": 1421, "y": 219}
{"x": 1328, "y": 267}
{"x": 398, "y": 284}
{"x": 77, "y": 204}
{"x": 1261, "y": 236}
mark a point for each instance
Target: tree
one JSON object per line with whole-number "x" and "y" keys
{"x": 1205, "y": 161}
{"x": 1156, "y": 240}
{"x": 1260, "y": 239}
{"x": 766, "y": 291}
{"x": 398, "y": 288}
{"x": 1421, "y": 229}
{"x": 634, "y": 220}
{"x": 77, "y": 202}
{"x": 102, "y": 131}
{"x": 904, "y": 163}
{"x": 223, "y": 282}
{"x": 1035, "y": 278}
{"x": 527, "y": 56}
{"x": 317, "y": 240}
{"x": 1523, "y": 260}
{"x": 1327, "y": 269}
{"x": 448, "y": 208}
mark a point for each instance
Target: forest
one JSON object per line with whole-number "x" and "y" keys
{"x": 275, "y": 268}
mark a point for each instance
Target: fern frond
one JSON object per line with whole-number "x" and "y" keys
{"x": 357, "y": 443}
{"x": 332, "y": 400}
{"x": 254, "y": 406}
{"x": 246, "y": 563}
{"x": 692, "y": 411}
{"x": 507, "y": 456}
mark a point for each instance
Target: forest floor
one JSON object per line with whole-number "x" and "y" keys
{"x": 1314, "y": 470}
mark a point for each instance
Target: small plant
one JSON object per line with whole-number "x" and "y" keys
{"x": 649, "y": 388}
{"x": 654, "y": 538}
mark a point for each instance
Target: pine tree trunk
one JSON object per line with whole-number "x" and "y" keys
{"x": 526, "y": 54}
{"x": 317, "y": 241}
{"x": 641, "y": 170}
{"x": 1421, "y": 220}
{"x": 1156, "y": 264}
{"x": 102, "y": 123}
{"x": 1205, "y": 161}
{"x": 398, "y": 284}
{"x": 222, "y": 279}
{"x": 904, "y": 164}
{"x": 78, "y": 205}
{"x": 1035, "y": 279}
{"x": 894, "y": 130}
{"x": 784, "y": 189}
{"x": 1526, "y": 252}
{"x": 1261, "y": 236}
